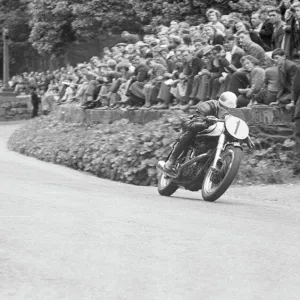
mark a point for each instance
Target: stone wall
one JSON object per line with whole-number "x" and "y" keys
{"x": 14, "y": 107}
{"x": 255, "y": 115}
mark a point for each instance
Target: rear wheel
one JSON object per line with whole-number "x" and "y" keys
{"x": 215, "y": 184}
{"x": 165, "y": 186}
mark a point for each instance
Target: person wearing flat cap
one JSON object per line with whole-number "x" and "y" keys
{"x": 129, "y": 38}
{"x": 145, "y": 51}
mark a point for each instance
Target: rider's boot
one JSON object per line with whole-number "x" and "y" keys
{"x": 182, "y": 144}
{"x": 170, "y": 168}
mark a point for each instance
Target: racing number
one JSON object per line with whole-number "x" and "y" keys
{"x": 238, "y": 123}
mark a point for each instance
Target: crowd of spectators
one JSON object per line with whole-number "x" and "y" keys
{"x": 182, "y": 65}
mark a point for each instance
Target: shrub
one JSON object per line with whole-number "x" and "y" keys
{"x": 128, "y": 152}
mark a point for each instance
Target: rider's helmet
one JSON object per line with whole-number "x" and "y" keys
{"x": 228, "y": 100}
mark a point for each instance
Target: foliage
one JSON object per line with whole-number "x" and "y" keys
{"x": 128, "y": 152}
{"x": 13, "y": 15}
{"x": 51, "y": 25}
{"x": 249, "y": 6}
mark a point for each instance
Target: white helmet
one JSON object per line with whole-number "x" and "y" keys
{"x": 228, "y": 99}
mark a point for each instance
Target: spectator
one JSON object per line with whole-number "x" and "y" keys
{"x": 295, "y": 28}
{"x": 253, "y": 49}
{"x": 268, "y": 93}
{"x": 296, "y": 101}
{"x": 287, "y": 42}
{"x": 129, "y": 38}
{"x": 255, "y": 80}
{"x": 35, "y": 101}
{"x": 266, "y": 31}
{"x": 136, "y": 95}
{"x": 256, "y": 22}
{"x": 286, "y": 73}
{"x": 279, "y": 26}
{"x": 213, "y": 17}
{"x": 233, "y": 54}
{"x": 214, "y": 38}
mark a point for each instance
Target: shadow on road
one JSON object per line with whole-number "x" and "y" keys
{"x": 220, "y": 201}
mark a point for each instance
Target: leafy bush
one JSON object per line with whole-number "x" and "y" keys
{"x": 127, "y": 152}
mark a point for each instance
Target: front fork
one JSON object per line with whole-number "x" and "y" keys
{"x": 220, "y": 147}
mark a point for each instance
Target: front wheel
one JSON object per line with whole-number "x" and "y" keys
{"x": 165, "y": 186}
{"x": 215, "y": 184}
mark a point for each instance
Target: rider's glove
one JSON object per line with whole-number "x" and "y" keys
{"x": 211, "y": 120}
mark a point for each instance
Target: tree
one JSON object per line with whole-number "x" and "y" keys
{"x": 51, "y": 26}
{"x": 96, "y": 17}
{"x": 13, "y": 15}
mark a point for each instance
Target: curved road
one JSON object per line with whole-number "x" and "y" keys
{"x": 68, "y": 235}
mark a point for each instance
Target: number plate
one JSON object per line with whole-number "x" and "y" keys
{"x": 237, "y": 128}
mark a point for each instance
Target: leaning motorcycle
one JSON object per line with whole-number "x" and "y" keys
{"x": 211, "y": 162}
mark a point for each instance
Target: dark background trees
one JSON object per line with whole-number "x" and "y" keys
{"x": 50, "y": 33}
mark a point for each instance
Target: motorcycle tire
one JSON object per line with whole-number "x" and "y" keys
{"x": 165, "y": 186}
{"x": 211, "y": 196}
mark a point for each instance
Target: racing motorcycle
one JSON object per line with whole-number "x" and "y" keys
{"x": 211, "y": 162}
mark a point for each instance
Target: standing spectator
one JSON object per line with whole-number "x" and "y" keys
{"x": 296, "y": 100}
{"x": 279, "y": 25}
{"x": 266, "y": 31}
{"x": 283, "y": 7}
{"x": 35, "y": 101}
{"x": 295, "y": 36}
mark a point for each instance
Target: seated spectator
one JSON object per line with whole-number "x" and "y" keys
{"x": 233, "y": 54}
{"x": 135, "y": 93}
{"x": 214, "y": 38}
{"x": 228, "y": 27}
{"x": 254, "y": 36}
{"x": 152, "y": 87}
{"x": 213, "y": 17}
{"x": 129, "y": 38}
{"x": 256, "y": 22}
{"x": 145, "y": 51}
{"x": 253, "y": 82}
{"x": 286, "y": 73}
{"x": 253, "y": 49}
{"x": 268, "y": 93}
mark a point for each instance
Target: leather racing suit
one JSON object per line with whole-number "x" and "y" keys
{"x": 193, "y": 124}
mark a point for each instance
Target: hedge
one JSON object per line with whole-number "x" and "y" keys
{"x": 129, "y": 152}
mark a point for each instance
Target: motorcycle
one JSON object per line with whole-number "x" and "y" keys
{"x": 211, "y": 162}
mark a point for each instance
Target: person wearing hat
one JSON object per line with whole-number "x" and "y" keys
{"x": 145, "y": 51}
{"x": 129, "y": 38}
{"x": 198, "y": 122}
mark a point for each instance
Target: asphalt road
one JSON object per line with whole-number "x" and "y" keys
{"x": 68, "y": 235}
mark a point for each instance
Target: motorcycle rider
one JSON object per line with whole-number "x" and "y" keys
{"x": 197, "y": 123}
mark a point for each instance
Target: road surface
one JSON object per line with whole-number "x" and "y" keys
{"x": 69, "y": 235}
